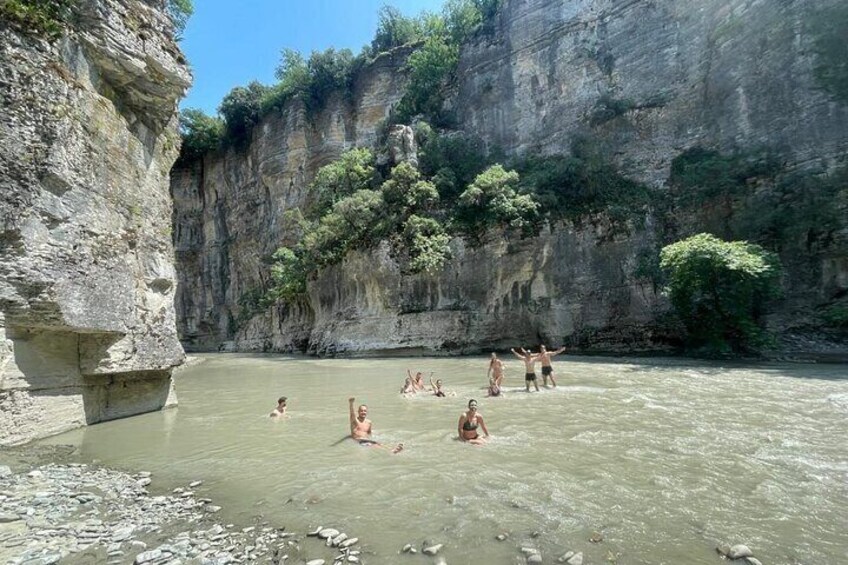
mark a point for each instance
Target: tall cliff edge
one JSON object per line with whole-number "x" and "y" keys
{"x": 88, "y": 134}
{"x": 728, "y": 75}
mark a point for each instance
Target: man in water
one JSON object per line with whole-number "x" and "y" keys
{"x": 280, "y": 410}
{"x": 360, "y": 427}
{"x": 547, "y": 369}
{"x": 529, "y": 367}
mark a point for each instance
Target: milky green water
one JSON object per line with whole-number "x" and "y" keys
{"x": 665, "y": 458}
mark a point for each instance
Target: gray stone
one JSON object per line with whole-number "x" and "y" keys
{"x": 5, "y": 471}
{"x": 576, "y": 559}
{"x": 328, "y": 533}
{"x": 739, "y": 551}
{"x": 753, "y": 561}
{"x": 566, "y": 556}
{"x": 6, "y": 518}
{"x": 147, "y": 556}
{"x": 349, "y": 542}
{"x": 432, "y": 549}
{"x": 315, "y": 562}
{"x": 535, "y": 558}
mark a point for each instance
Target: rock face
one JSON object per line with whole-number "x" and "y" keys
{"x": 87, "y": 138}
{"x": 647, "y": 79}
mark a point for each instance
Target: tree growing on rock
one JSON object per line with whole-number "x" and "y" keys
{"x": 493, "y": 200}
{"x": 719, "y": 290}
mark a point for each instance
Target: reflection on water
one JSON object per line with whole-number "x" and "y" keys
{"x": 665, "y": 458}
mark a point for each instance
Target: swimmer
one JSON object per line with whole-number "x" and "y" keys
{"x": 529, "y": 367}
{"x": 496, "y": 370}
{"x": 280, "y": 410}
{"x": 408, "y": 387}
{"x": 360, "y": 428}
{"x": 417, "y": 380}
{"x": 468, "y": 424}
{"x": 547, "y": 368}
{"x": 437, "y": 387}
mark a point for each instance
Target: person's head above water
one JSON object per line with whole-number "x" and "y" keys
{"x": 438, "y": 382}
{"x": 472, "y": 404}
{"x": 542, "y": 348}
{"x": 282, "y": 400}
{"x": 362, "y": 411}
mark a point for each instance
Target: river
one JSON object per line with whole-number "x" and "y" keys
{"x": 665, "y": 458}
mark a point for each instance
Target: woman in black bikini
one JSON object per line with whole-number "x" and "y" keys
{"x": 468, "y": 424}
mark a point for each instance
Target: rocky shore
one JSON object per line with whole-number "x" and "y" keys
{"x": 77, "y": 513}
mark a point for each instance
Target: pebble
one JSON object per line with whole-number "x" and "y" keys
{"x": 316, "y": 532}
{"x": 433, "y": 549}
{"x": 576, "y": 559}
{"x": 5, "y": 471}
{"x": 328, "y": 533}
{"x": 596, "y": 537}
{"x": 753, "y": 561}
{"x": 406, "y": 548}
{"x": 146, "y": 556}
{"x": 349, "y": 542}
{"x": 195, "y": 484}
{"x": 565, "y": 556}
{"x": 339, "y": 539}
{"x": 529, "y": 550}
{"x": 315, "y": 562}
{"x": 535, "y": 558}
{"x": 143, "y": 482}
{"x": 6, "y": 518}
{"x": 739, "y": 551}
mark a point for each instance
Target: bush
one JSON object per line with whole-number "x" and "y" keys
{"x": 608, "y": 108}
{"x": 700, "y": 174}
{"x": 719, "y": 290}
{"x": 492, "y": 200}
{"x": 836, "y": 316}
{"x": 585, "y": 182}
{"x": 46, "y": 18}
{"x": 453, "y": 162}
{"x": 394, "y": 29}
{"x": 200, "y": 133}
{"x": 406, "y": 191}
{"x": 352, "y": 171}
{"x": 241, "y": 110}
{"x": 288, "y": 275}
{"x": 427, "y": 244}
{"x": 356, "y": 221}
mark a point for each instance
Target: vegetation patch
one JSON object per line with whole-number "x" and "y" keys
{"x": 719, "y": 290}
{"x": 45, "y": 18}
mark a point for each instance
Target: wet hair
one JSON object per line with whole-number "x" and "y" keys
{"x": 281, "y": 399}
{"x": 361, "y": 406}
{"x": 472, "y": 401}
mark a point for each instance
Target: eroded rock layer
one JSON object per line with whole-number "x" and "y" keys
{"x": 648, "y": 80}
{"x": 87, "y": 138}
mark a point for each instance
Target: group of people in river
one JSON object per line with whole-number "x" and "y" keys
{"x": 470, "y": 420}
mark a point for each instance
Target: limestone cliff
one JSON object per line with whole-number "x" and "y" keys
{"x": 87, "y": 138}
{"x": 648, "y": 79}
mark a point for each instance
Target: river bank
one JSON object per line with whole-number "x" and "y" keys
{"x": 80, "y": 513}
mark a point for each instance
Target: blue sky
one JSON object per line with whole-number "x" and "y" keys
{"x": 231, "y": 43}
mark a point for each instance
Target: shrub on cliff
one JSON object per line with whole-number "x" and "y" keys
{"x": 427, "y": 244}
{"x": 179, "y": 11}
{"x": 493, "y": 200}
{"x": 353, "y": 171}
{"x": 313, "y": 80}
{"x": 200, "y": 133}
{"x": 241, "y": 109}
{"x": 288, "y": 275}
{"x": 719, "y": 290}
{"x": 46, "y": 18}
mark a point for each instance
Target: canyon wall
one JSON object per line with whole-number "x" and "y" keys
{"x": 646, "y": 79}
{"x": 88, "y": 134}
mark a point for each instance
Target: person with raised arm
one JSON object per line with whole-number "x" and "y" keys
{"x": 547, "y": 368}
{"x": 361, "y": 427}
{"x": 469, "y": 421}
{"x": 529, "y": 367}
{"x": 280, "y": 410}
{"x": 437, "y": 387}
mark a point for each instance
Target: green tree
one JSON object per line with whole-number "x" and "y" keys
{"x": 354, "y": 222}
{"x": 200, "y": 133}
{"x": 352, "y": 171}
{"x": 406, "y": 190}
{"x": 288, "y": 275}
{"x": 394, "y": 29}
{"x": 719, "y": 290}
{"x": 492, "y": 200}
{"x": 427, "y": 244}
{"x": 241, "y": 111}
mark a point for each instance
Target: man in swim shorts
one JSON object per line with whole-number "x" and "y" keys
{"x": 360, "y": 427}
{"x": 529, "y": 367}
{"x": 547, "y": 368}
